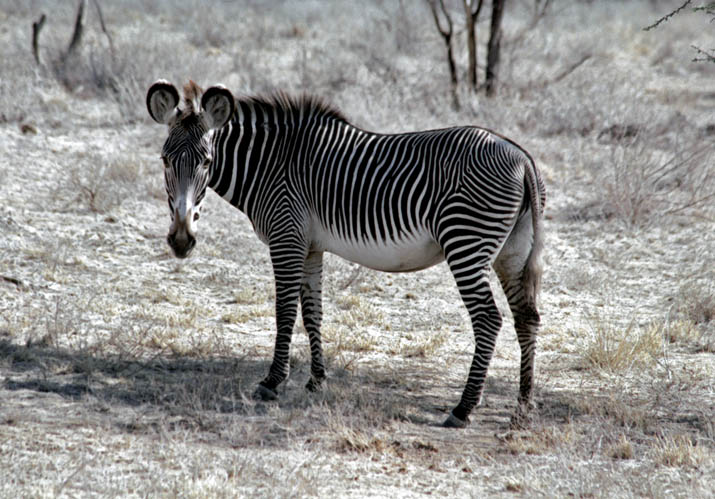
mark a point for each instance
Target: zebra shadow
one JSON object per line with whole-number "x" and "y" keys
{"x": 213, "y": 395}
{"x": 161, "y": 381}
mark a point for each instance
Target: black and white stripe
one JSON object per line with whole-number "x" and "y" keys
{"x": 311, "y": 182}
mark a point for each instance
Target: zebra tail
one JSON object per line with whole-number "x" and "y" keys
{"x": 531, "y": 277}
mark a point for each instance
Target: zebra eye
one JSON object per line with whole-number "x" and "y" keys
{"x": 166, "y": 161}
{"x": 196, "y": 216}
{"x": 206, "y": 162}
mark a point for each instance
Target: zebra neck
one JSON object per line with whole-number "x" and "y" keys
{"x": 246, "y": 153}
{"x": 253, "y": 151}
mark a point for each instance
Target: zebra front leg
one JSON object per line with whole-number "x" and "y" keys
{"x": 486, "y": 323}
{"x": 312, "y": 310}
{"x": 288, "y": 272}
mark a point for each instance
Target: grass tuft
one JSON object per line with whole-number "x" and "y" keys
{"x": 679, "y": 451}
{"x": 540, "y": 440}
{"x": 616, "y": 349}
{"x": 242, "y": 314}
{"x": 622, "y": 449}
{"x": 354, "y": 440}
{"x": 695, "y": 309}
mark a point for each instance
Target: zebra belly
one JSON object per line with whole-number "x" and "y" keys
{"x": 411, "y": 253}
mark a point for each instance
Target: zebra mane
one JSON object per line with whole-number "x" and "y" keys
{"x": 306, "y": 104}
{"x": 192, "y": 98}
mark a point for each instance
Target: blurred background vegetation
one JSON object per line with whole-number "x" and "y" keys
{"x": 634, "y": 109}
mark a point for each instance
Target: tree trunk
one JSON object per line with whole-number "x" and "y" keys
{"x": 471, "y": 14}
{"x": 492, "y": 72}
{"x": 453, "y": 76}
{"x": 447, "y": 36}
{"x": 76, "y": 34}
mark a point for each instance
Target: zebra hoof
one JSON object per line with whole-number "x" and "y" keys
{"x": 454, "y": 422}
{"x": 264, "y": 393}
{"x": 314, "y": 385}
{"x": 521, "y": 419}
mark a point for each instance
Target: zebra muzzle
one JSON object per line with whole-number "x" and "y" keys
{"x": 181, "y": 243}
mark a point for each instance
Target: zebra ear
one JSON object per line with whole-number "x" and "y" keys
{"x": 162, "y": 100}
{"x": 217, "y": 106}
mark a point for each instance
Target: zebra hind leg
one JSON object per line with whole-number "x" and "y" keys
{"x": 312, "y": 310}
{"x": 469, "y": 252}
{"x": 486, "y": 323}
{"x": 511, "y": 267}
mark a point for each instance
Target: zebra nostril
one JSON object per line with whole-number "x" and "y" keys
{"x": 181, "y": 246}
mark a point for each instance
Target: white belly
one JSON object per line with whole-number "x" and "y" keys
{"x": 414, "y": 253}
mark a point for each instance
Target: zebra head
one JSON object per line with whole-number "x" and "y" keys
{"x": 187, "y": 151}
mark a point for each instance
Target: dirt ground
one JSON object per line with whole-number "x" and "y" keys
{"x": 125, "y": 372}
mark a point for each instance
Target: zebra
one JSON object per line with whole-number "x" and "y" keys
{"x": 311, "y": 182}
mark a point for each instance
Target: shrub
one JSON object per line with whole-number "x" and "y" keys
{"x": 640, "y": 184}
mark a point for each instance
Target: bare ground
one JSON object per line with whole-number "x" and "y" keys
{"x": 124, "y": 372}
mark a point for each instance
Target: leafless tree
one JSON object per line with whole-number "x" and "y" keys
{"x": 472, "y": 8}
{"x": 447, "y": 32}
{"x": 494, "y": 47}
{"x": 66, "y": 57}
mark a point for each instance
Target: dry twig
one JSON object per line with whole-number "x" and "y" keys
{"x": 447, "y": 36}
{"x": 667, "y": 16}
{"x": 36, "y": 27}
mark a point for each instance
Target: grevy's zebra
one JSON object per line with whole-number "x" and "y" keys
{"x": 311, "y": 182}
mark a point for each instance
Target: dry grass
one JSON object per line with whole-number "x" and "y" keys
{"x": 243, "y": 314}
{"x": 424, "y": 347}
{"x": 101, "y": 186}
{"x": 541, "y": 440}
{"x": 357, "y": 327}
{"x": 127, "y": 373}
{"x": 641, "y": 185}
{"x": 620, "y": 411}
{"x": 614, "y": 348}
{"x": 695, "y": 312}
{"x": 680, "y": 451}
{"x": 622, "y": 449}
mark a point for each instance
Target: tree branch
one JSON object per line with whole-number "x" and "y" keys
{"x": 36, "y": 27}
{"x": 706, "y": 56}
{"x": 447, "y": 35}
{"x": 77, "y": 34}
{"x": 573, "y": 67}
{"x": 104, "y": 27}
{"x": 667, "y": 16}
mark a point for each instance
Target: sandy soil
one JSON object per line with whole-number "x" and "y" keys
{"x": 125, "y": 372}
